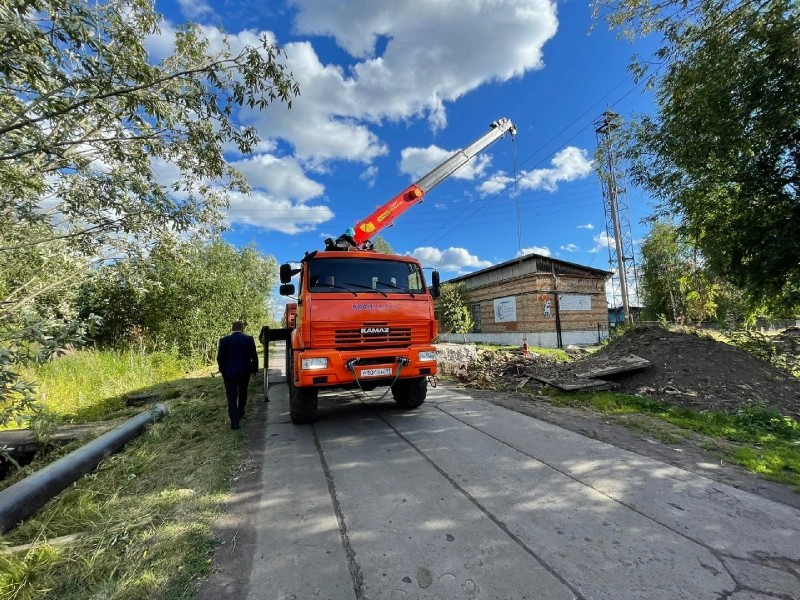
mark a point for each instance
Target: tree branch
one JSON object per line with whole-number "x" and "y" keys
{"x": 115, "y": 93}
{"x": 66, "y": 236}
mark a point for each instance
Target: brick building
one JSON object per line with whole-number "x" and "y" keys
{"x": 550, "y": 303}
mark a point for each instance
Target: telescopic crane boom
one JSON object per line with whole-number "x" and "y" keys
{"x": 386, "y": 214}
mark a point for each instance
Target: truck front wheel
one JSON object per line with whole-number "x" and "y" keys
{"x": 410, "y": 393}
{"x": 302, "y": 401}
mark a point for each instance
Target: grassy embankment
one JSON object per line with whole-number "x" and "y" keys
{"x": 142, "y": 521}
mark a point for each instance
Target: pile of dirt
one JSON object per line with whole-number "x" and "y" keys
{"x": 703, "y": 373}
{"x": 685, "y": 370}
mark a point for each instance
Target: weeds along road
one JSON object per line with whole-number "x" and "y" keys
{"x": 465, "y": 499}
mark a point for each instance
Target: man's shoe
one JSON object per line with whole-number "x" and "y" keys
{"x": 234, "y": 427}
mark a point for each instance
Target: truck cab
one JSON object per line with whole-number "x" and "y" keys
{"x": 363, "y": 320}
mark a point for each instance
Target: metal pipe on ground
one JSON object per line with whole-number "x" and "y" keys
{"x": 25, "y": 497}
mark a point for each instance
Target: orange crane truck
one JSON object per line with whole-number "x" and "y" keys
{"x": 362, "y": 319}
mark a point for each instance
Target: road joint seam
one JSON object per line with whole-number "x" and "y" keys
{"x": 517, "y": 540}
{"x": 712, "y": 551}
{"x": 350, "y": 553}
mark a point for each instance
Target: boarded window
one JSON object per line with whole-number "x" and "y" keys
{"x": 476, "y": 318}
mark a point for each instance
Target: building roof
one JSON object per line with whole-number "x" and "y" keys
{"x": 544, "y": 264}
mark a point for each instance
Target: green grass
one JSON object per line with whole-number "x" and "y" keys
{"x": 768, "y": 442}
{"x": 556, "y": 353}
{"x": 89, "y": 385}
{"x": 144, "y": 517}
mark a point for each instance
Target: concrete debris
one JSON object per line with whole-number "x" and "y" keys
{"x": 575, "y": 384}
{"x": 510, "y": 369}
{"x": 450, "y": 357}
{"x": 614, "y": 364}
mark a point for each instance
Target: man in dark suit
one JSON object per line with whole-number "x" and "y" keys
{"x": 237, "y": 359}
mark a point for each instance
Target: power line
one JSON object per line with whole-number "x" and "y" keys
{"x": 491, "y": 196}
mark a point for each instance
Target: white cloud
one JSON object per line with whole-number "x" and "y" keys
{"x": 570, "y": 248}
{"x": 602, "y": 242}
{"x": 440, "y": 206}
{"x": 417, "y": 162}
{"x": 569, "y": 164}
{"x": 588, "y": 226}
{"x": 162, "y": 44}
{"x": 435, "y": 53}
{"x": 280, "y": 177}
{"x": 195, "y": 9}
{"x": 262, "y": 210}
{"x": 281, "y": 191}
{"x": 540, "y": 250}
{"x": 370, "y": 174}
{"x": 454, "y": 43}
{"x": 452, "y": 259}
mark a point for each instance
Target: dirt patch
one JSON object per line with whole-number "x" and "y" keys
{"x": 685, "y": 370}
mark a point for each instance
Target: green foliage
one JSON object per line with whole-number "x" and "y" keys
{"x": 455, "y": 316}
{"x": 33, "y": 341}
{"x": 182, "y": 297}
{"x": 86, "y": 118}
{"x": 676, "y": 284}
{"x": 723, "y": 152}
{"x": 143, "y": 519}
{"x": 758, "y": 420}
{"x": 381, "y": 245}
{"x": 89, "y": 122}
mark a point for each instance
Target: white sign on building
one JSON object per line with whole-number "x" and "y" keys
{"x": 505, "y": 310}
{"x": 574, "y": 302}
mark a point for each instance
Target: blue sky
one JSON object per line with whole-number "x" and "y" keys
{"x": 386, "y": 85}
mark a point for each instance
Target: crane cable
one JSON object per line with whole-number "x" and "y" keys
{"x": 516, "y": 193}
{"x": 519, "y": 236}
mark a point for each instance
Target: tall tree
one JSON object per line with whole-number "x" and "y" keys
{"x": 723, "y": 151}
{"x": 454, "y": 312}
{"x": 89, "y": 122}
{"x": 676, "y": 284}
{"x": 381, "y": 245}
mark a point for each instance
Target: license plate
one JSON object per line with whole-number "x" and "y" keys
{"x": 376, "y": 372}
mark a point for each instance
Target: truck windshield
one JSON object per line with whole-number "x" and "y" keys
{"x": 364, "y": 275}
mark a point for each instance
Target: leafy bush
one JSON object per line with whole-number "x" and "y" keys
{"x": 760, "y": 419}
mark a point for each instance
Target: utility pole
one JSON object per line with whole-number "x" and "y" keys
{"x": 617, "y": 213}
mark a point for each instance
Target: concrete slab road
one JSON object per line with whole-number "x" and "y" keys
{"x": 465, "y": 499}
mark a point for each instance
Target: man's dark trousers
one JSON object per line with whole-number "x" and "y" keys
{"x": 237, "y": 359}
{"x": 236, "y": 391}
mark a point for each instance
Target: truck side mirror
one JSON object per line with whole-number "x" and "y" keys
{"x": 287, "y": 289}
{"x": 436, "y": 290}
{"x": 286, "y": 273}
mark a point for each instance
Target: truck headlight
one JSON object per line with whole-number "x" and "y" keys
{"x": 427, "y": 355}
{"x": 310, "y": 364}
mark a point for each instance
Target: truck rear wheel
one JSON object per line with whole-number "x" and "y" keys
{"x": 410, "y": 393}
{"x": 302, "y": 401}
